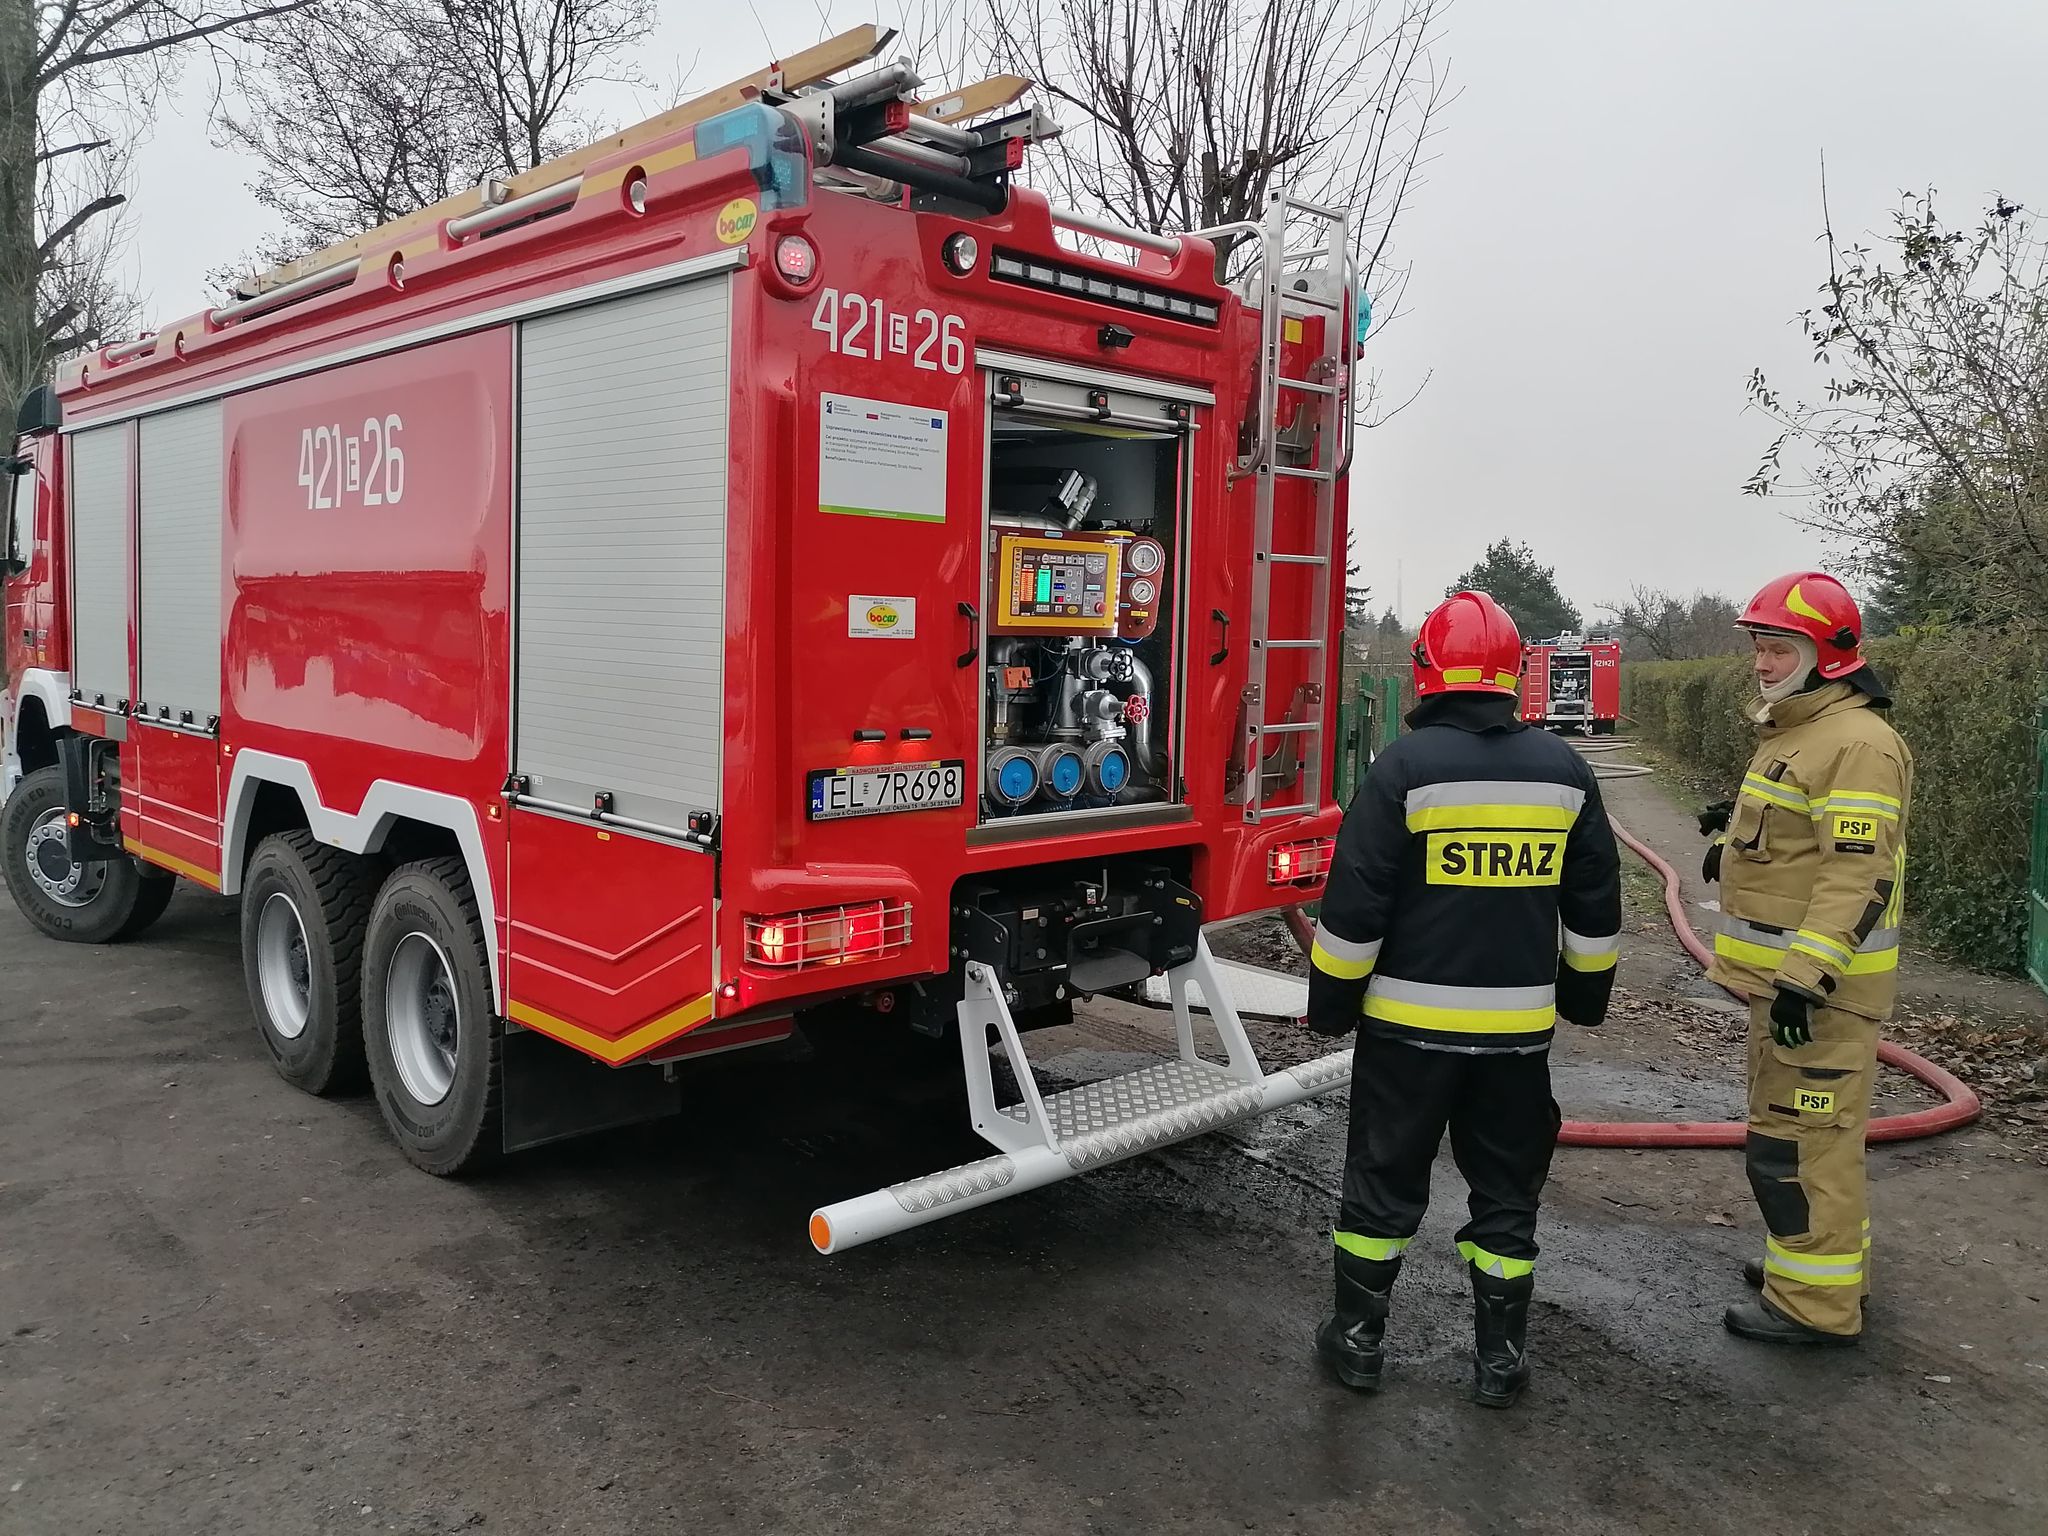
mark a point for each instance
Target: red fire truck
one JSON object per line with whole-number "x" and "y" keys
{"x": 761, "y": 569}
{"x": 1572, "y": 683}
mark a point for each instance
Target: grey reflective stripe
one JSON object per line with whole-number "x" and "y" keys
{"x": 1772, "y": 938}
{"x": 1495, "y": 792}
{"x": 1579, "y": 944}
{"x": 1347, "y": 949}
{"x": 1469, "y": 999}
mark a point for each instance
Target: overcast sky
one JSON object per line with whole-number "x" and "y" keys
{"x": 1618, "y": 224}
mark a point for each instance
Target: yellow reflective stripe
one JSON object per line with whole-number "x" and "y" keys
{"x": 1463, "y": 674}
{"x": 1840, "y": 953}
{"x": 1494, "y": 1264}
{"x": 1761, "y": 955}
{"x": 1579, "y": 962}
{"x": 1813, "y": 1268}
{"x": 1464, "y": 1021}
{"x": 1777, "y": 794}
{"x": 1463, "y": 818}
{"x": 1505, "y": 680}
{"x": 1342, "y": 970}
{"x": 1766, "y": 957}
{"x": 1380, "y": 1248}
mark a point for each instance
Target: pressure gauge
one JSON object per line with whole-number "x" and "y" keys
{"x": 1144, "y": 558}
{"x": 1143, "y": 591}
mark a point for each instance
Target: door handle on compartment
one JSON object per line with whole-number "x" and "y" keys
{"x": 972, "y": 654}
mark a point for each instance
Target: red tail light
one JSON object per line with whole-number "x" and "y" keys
{"x": 1304, "y": 863}
{"x": 828, "y": 935}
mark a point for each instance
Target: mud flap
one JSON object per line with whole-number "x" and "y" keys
{"x": 553, "y": 1092}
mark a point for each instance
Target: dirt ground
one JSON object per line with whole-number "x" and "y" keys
{"x": 225, "y": 1307}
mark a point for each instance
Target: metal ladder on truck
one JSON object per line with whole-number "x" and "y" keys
{"x": 1307, "y": 280}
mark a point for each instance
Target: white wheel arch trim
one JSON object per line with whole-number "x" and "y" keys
{"x": 362, "y": 832}
{"x": 54, "y": 689}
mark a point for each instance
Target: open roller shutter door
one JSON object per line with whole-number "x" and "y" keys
{"x": 621, "y": 586}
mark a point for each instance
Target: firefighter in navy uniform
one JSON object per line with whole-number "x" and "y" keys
{"x": 1812, "y": 873}
{"x": 1475, "y": 896}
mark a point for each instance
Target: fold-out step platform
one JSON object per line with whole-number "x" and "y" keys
{"x": 1045, "y": 1138}
{"x": 1255, "y": 992}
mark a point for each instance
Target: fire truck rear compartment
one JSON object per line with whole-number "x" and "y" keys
{"x": 1078, "y": 676}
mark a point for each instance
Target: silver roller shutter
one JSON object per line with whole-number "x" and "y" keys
{"x": 179, "y": 637}
{"x": 99, "y": 564}
{"x": 621, "y": 582}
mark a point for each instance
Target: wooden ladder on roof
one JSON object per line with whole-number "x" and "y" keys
{"x": 812, "y": 67}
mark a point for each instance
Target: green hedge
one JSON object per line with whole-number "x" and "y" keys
{"x": 1966, "y": 702}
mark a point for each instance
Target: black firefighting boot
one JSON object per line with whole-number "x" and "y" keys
{"x": 1763, "y": 1322}
{"x": 1500, "y": 1324}
{"x": 1351, "y": 1338}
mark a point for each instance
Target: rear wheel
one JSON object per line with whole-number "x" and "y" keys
{"x": 305, "y": 909}
{"x": 432, "y": 1039}
{"x": 80, "y": 903}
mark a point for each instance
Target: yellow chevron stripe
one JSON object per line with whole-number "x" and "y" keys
{"x": 636, "y": 1042}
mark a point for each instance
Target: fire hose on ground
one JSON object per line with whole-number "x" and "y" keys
{"x": 1961, "y": 1107}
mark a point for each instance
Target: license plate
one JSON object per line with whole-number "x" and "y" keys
{"x": 840, "y": 792}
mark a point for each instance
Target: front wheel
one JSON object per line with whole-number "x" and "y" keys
{"x": 79, "y": 903}
{"x": 430, "y": 1034}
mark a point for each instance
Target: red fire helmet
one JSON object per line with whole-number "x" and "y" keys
{"x": 1813, "y": 604}
{"x": 1468, "y": 644}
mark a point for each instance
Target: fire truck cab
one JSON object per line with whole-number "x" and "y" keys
{"x": 764, "y": 568}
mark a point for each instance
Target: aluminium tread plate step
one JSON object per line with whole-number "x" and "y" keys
{"x": 1256, "y": 992}
{"x": 1133, "y": 1112}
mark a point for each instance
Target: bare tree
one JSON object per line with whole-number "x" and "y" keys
{"x": 77, "y": 78}
{"x": 525, "y": 61}
{"x": 360, "y": 111}
{"x": 1671, "y": 627}
{"x": 1937, "y": 343}
{"x": 1186, "y": 114}
{"x": 352, "y": 122}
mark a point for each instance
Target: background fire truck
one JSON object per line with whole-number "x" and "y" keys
{"x": 762, "y": 567}
{"x": 1573, "y": 683}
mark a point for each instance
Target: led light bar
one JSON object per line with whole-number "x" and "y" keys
{"x": 1036, "y": 272}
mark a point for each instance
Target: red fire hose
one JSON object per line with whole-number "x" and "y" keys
{"x": 1961, "y": 1108}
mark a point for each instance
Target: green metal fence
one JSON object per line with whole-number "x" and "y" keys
{"x": 2037, "y": 883}
{"x": 1368, "y": 717}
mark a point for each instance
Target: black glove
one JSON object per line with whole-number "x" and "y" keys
{"x": 1334, "y": 1007}
{"x": 1792, "y": 1018}
{"x": 1331, "y": 1026}
{"x": 1582, "y": 995}
{"x": 1710, "y": 864}
{"x": 1715, "y": 817}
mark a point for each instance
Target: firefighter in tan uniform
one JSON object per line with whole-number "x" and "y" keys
{"x": 1811, "y": 869}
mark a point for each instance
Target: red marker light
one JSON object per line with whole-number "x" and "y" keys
{"x": 796, "y": 259}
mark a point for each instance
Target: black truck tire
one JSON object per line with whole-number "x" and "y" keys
{"x": 305, "y": 914}
{"x": 80, "y": 904}
{"x": 433, "y": 1040}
